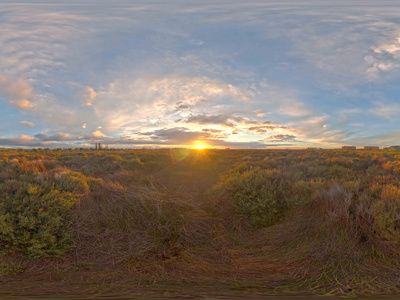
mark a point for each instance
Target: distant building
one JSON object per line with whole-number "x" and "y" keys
{"x": 371, "y": 148}
{"x": 349, "y": 147}
{"x": 314, "y": 148}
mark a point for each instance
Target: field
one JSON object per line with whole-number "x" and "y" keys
{"x": 190, "y": 222}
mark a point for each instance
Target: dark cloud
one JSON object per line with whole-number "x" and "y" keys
{"x": 187, "y": 106}
{"x": 280, "y": 138}
{"x": 58, "y": 137}
{"x": 177, "y": 135}
{"x": 30, "y": 141}
{"x": 264, "y": 128}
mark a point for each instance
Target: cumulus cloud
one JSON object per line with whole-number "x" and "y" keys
{"x": 385, "y": 57}
{"x": 18, "y": 92}
{"x": 150, "y": 100}
{"x": 27, "y": 124}
{"x": 99, "y": 134}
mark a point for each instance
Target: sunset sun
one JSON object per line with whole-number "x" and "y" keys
{"x": 200, "y": 146}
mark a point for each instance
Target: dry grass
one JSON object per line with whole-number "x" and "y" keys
{"x": 340, "y": 247}
{"x": 119, "y": 225}
{"x": 150, "y": 220}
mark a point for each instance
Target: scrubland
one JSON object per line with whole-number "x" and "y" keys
{"x": 261, "y": 221}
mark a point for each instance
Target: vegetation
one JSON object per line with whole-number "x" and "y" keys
{"x": 326, "y": 221}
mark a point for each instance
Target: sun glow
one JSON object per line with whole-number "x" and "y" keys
{"x": 200, "y": 146}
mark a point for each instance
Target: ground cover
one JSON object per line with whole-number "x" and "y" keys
{"x": 85, "y": 222}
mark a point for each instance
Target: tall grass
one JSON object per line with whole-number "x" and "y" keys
{"x": 334, "y": 215}
{"x": 121, "y": 224}
{"x": 346, "y": 247}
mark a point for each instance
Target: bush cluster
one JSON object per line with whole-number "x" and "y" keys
{"x": 35, "y": 219}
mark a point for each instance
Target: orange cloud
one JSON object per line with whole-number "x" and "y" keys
{"x": 18, "y": 92}
{"x": 98, "y": 134}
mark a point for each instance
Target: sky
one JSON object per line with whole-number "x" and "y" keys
{"x": 175, "y": 73}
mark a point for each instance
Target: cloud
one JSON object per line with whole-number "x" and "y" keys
{"x": 212, "y": 130}
{"x": 99, "y": 134}
{"x": 37, "y": 39}
{"x": 196, "y": 42}
{"x": 41, "y": 140}
{"x": 27, "y": 124}
{"x": 146, "y": 101}
{"x": 389, "y": 138}
{"x": 20, "y": 140}
{"x": 265, "y": 128}
{"x": 18, "y": 92}
{"x": 89, "y": 96}
{"x": 386, "y": 110}
{"x": 140, "y": 67}
{"x": 204, "y": 119}
{"x": 385, "y": 57}
{"x": 175, "y": 136}
{"x": 280, "y": 138}
{"x": 293, "y": 108}
{"x": 260, "y": 113}
{"x": 58, "y": 137}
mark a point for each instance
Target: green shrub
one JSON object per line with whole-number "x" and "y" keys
{"x": 387, "y": 212}
{"x": 73, "y": 182}
{"x": 304, "y": 191}
{"x": 34, "y": 220}
{"x": 93, "y": 183}
{"x": 259, "y": 195}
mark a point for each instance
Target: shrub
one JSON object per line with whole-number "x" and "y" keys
{"x": 34, "y": 220}
{"x": 93, "y": 183}
{"x": 258, "y": 195}
{"x": 304, "y": 191}
{"x": 387, "y": 212}
{"x": 73, "y": 182}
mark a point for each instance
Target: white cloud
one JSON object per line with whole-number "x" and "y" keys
{"x": 142, "y": 101}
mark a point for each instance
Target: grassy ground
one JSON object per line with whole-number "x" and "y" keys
{"x": 168, "y": 223}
